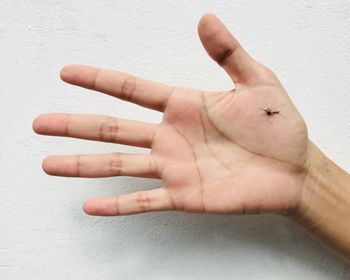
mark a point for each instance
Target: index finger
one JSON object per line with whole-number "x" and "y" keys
{"x": 118, "y": 84}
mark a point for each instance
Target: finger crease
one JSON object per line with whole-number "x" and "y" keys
{"x": 151, "y": 136}
{"x": 153, "y": 166}
{"x": 143, "y": 201}
{"x": 68, "y": 121}
{"x": 128, "y": 88}
{"x": 109, "y": 129}
{"x": 117, "y": 206}
{"x": 172, "y": 202}
{"x": 165, "y": 104}
{"x": 221, "y": 59}
{"x": 115, "y": 165}
{"x": 78, "y": 166}
{"x": 94, "y": 81}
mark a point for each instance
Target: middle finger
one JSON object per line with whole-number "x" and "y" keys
{"x": 96, "y": 127}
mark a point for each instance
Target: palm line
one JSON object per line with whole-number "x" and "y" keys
{"x": 196, "y": 163}
{"x": 205, "y": 134}
{"x": 235, "y": 143}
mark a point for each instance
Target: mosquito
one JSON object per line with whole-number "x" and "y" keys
{"x": 270, "y": 112}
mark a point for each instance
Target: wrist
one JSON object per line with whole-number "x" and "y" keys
{"x": 324, "y": 202}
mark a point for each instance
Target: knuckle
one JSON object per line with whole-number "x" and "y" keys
{"x": 222, "y": 57}
{"x": 109, "y": 129}
{"x": 128, "y": 88}
{"x": 115, "y": 165}
{"x": 143, "y": 201}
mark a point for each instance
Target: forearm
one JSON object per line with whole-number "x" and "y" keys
{"x": 324, "y": 208}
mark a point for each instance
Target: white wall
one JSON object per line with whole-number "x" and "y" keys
{"x": 43, "y": 232}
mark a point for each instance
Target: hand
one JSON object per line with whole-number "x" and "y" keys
{"x": 237, "y": 151}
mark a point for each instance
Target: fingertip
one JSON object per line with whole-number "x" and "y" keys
{"x": 36, "y": 124}
{"x": 67, "y": 72}
{"x": 206, "y": 23}
{"x": 80, "y": 75}
{"x": 224, "y": 48}
{"x": 207, "y": 16}
{"x": 47, "y": 123}
{"x": 87, "y": 208}
{"x": 48, "y": 165}
{"x": 42, "y": 124}
{"x": 95, "y": 207}
{"x": 215, "y": 37}
{"x": 57, "y": 165}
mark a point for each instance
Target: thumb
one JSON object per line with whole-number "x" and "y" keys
{"x": 226, "y": 50}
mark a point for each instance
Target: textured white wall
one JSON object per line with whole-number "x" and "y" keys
{"x": 43, "y": 232}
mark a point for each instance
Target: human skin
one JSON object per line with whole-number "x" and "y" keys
{"x": 218, "y": 152}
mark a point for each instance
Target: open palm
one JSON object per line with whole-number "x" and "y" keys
{"x": 237, "y": 151}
